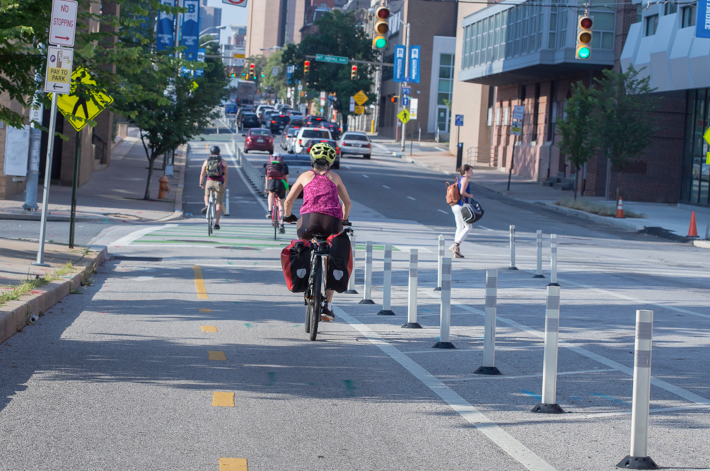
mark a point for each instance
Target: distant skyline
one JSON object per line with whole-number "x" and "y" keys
{"x": 230, "y": 15}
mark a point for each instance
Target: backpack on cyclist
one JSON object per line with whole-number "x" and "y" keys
{"x": 214, "y": 167}
{"x": 340, "y": 262}
{"x": 275, "y": 167}
{"x": 296, "y": 265}
{"x": 453, "y": 195}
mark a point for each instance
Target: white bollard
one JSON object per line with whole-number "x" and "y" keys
{"x": 549, "y": 367}
{"x": 539, "y": 274}
{"x": 226, "y": 213}
{"x": 413, "y": 285}
{"x": 512, "y": 249}
{"x": 368, "y": 275}
{"x": 440, "y": 264}
{"x": 489, "y": 328}
{"x": 445, "y": 315}
{"x": 351, "y": 281}
{"x": 387, "y": 284}
{"x": 553, "y": 260}
{"x": 707, "y": 231}
{"x": 639, "y": 459}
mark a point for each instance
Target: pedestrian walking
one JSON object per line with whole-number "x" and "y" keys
{"x": 462, "y": 228}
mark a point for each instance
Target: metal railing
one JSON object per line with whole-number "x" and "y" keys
{"x": 478, "y": 156}
{"x": 101, "y": 148}
{"x": 254, "y": 175}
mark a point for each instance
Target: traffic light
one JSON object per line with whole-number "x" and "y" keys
{"x": 584, "y": 37}
{"x": 262, "y": 75}
{"x": 353, "y": 73}
{"x": 306, "y": 68}
{"x": 395, "y": 99}
{"x": 382, "y": 28}
{"x": 252, "y": 72}
{"x": 232, "y": 75}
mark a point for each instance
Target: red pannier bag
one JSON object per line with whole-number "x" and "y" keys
{"x": 340, "y": 262}
{"x": 296, "y": 265}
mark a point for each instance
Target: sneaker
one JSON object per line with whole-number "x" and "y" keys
{"x": 216, "y": 226}
{"x": 268, "y": 216}
{"x": 326, "y": 315}
{"x": 282, "y": 229}
{"x": 204, "y": 210}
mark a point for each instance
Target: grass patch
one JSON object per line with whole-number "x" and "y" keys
{"x": 28, "y": 285}
{"x": 581, "y": 204}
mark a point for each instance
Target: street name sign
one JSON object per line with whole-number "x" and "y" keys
{"x": 59, "y": 66}
{"x": 331, "y": 59}
{"x": 406, "y": 90}
{"x": 360, "y": 98}
{"x": 62, "y": 27}
{"x": 73, "y": 107}
{"x": 403, "y": 116}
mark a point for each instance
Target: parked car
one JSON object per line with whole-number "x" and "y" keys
{"x": 335, "y": 130}
{"x": 248, "y": 121}
{"x": 306, "y": 149}
{"x": 355, "y": 143}
{"x": 277, "y": 123}
{"x": 287, "y": 138}
{"x": 309, "y": 133}
{"x": 259, "y": 139}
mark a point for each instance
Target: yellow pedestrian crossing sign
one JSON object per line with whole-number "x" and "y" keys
{"x": 404, "y": 116}
{"x": 360, "y": 97}
{"x": 77, "y": 110}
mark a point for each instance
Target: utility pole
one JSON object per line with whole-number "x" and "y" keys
{"x": 406, "y": 74}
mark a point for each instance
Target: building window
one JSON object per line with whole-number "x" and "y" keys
{"x": 651, "y": 25}
{"x": 498, "y": 116}
{"x": 446, "y": 74}
{"x": 639, "y": 13}
{"x": 688, "y": 16}
{"x": 506, "y": 115}
{"x": 603, "y": 34}
{"x": 670, "y": 8}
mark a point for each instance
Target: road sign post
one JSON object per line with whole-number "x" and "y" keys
{"x": 74, "y": 184}
{"x": 516, "y": 129}
{"x": 47, "y": 179}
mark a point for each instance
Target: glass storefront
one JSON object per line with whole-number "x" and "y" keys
{"x": 696, "y": 171}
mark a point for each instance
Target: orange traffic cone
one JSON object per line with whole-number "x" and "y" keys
{"x": 620, "y": 208}
{"x": 692, "y": 230}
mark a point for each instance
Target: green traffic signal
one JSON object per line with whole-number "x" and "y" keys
{"x": 380, "y": 42}
{"x": 584, "y": 52}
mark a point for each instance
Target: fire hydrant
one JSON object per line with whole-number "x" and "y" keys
{"x": 164, "y": 188}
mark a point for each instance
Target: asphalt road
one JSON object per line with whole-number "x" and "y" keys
{"x": 187, "y": 349}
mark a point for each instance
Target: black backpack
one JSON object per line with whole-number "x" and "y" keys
{"x": 472, "y": 212}
{"x": 214, "y": 167}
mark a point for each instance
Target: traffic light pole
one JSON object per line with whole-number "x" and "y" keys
{"x": 406, "y": 74}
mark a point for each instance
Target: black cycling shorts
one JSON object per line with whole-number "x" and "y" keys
{"x": 310, "y": 224}
{"x": 278, "y": 187}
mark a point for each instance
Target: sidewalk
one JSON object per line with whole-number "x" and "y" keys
{"x": 114, "y": 193}
{"x": 667, "y": 220}
{"x": 49, "y": 284}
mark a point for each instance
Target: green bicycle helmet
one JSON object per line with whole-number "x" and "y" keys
{"x": 323, "y": 151}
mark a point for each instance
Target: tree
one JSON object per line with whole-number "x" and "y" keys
{"x": 277, "y": 83}
{"x": 339, "y": 34}
{"x": 164, "y": 101}
{"x": 576, "y": 129}
{"x": 623, "y": 121}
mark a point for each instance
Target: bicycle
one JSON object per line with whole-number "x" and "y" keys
{"x": 211, "y": 210}
{"x": 275, "y": 215}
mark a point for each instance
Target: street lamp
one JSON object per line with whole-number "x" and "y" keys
{"x": 211, "y": 27}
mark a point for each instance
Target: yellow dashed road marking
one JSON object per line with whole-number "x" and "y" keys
{"x": 233, "y": 464}
{"x": 216, "y": 356}
{"x": 208, "y": 328}
{"x": 205, "y": 310}
{"x": 223, "y": 399}
{"x": 199, "y": 283}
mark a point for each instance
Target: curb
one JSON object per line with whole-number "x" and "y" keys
{"x": 14, "y": 316}
{"x": 621, "y": 223}
{"x": 419, "y": 164}
{"x": 38, "y": 217}
{"x": 703, "y": 244}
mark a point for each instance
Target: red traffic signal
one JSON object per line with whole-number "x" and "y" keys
{"x": 353, "y": 72}
{"x": 306, "y": 67}
{"x": 586, "y": 22}
{"x": 252, "y": 66}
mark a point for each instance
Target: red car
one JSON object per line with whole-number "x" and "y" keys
{"x": 259, "y": 139}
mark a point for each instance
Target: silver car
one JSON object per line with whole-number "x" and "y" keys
{"x": 355, "y": 143}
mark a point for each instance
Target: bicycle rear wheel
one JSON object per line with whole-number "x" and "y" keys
{"x": 315, "y": 310}
{"x": 275, "y": 217}
{"x": 209, "y": 220}
{"x": 308, "y": 317}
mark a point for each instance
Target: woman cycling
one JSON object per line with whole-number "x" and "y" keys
{"x": 462, "y": 228}
{"x": 321, "y": 212}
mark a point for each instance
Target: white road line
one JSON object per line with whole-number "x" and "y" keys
{"x": 135, "y": 235}
{"x": 439, "y": 148}
{"x": 348, "y": 167}
{"x": 382, "y": 147}
{"x": 678, "y": 391}
{"x": 385, "y": 186}
{"x": 442, "y": 211}
{"x": 365, "y": 176}
{"x": 411, "y": 198}
{"x": 241, "y": 174}
{"x": 486, "y": 228}
{"x": 471, "y": 414}
{"x": 522, "y": 376}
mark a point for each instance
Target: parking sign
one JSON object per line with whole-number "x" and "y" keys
{"x": 459, "y": 120}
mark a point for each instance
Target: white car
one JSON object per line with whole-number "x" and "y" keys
{"x": 304, "y": 134}
{"x": 355, "y": 143}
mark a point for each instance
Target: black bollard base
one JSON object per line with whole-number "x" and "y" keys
{"x": 637, "y": 462}
{"x": 412, "y": 325}
{"x": 367, "y": 301}
{"x": 539, "y": 276}
{"x": 548, "y": 409}
{"x": 448, "y": 345}
{"x": 553, "y": 284}
{"x": 487, "y": 370}
{"x": 385, "y": 313}
{"x": 437, "y": 289}
{"x": 512, "y": 268}
{"x": 351, "y": 291}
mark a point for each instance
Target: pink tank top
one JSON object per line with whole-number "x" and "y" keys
{"x": 320, "y": 195}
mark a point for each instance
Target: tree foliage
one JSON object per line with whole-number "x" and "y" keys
{"x": 339, "y": 34}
